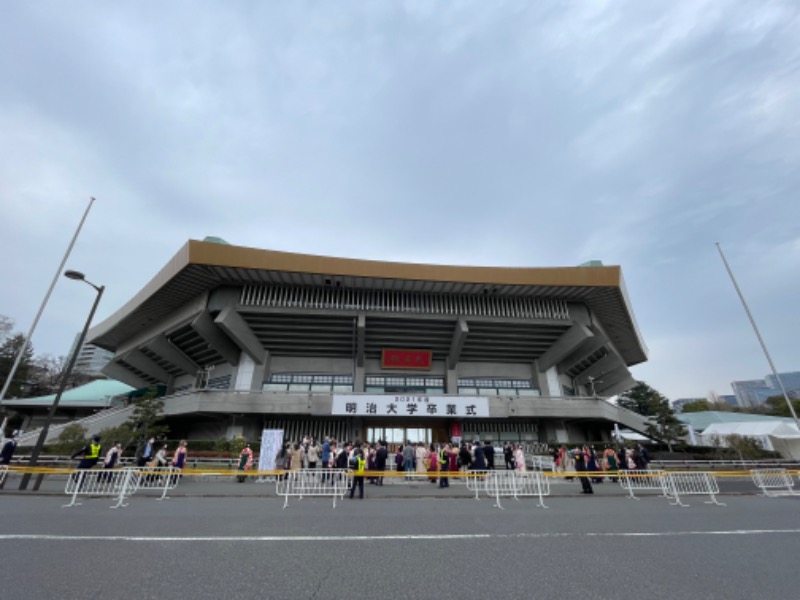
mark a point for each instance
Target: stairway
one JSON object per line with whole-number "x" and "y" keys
{"x": 111, "y": 417}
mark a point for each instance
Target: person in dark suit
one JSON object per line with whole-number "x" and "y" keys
{"x": 488, "y": 451}
{"x": 508, "y": 455}
{"x": 479, "y": 461}
{"x": 580, "y": 466}
{"x": 146, "y": 451}
{"x": 381, "y": 455}
{"x": 8, "y": 449}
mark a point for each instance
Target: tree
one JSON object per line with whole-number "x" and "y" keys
{"x": 9, "y": 349}
{"x": 147, "y": 419}
{"x": 71, "y": 439}
{"x": 777, "y": 407}
{"x": 696, "y": 406}
{"x": 664, "y": 426}
{"x": 641, "y": 399}
{"x": 123, "y": 434}
{"x": 6, "y": 326}
{"x": 746, "y": 447}
{"x": 45, "y": 373}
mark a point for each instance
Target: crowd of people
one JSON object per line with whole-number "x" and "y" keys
{"x": 586, "y": 459}
{"x": 415, "y": 459}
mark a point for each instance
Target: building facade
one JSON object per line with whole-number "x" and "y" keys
{"x": 246, "y": 339}
{"x": 91, "y": 359}
{"x": 754, "y": 392}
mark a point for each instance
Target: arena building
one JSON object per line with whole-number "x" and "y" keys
{"x": 246, "y": 339}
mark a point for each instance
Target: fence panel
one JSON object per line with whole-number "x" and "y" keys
{"x": 531, "y": 484}
{"x": 773, "y": 479}
{"x": 101, "y": 482}
{"x": 314, "y": 482}
{"x": 158, "y": 478}
{"x": 692, "y": 484}
{"x": 476, "y": 481}
{"x": 642, "y": 479}
{"x": 514, "y": 484}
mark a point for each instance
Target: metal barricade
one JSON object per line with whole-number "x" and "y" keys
{"x": 692, "y": 484}
{"x": 531, "y": 483}
{"x": 101, "y": 482}
{"x": 314, "y": 482}
{"x": 642, "y": 479}
{"x": 514, "y": 484}
{"x": 158, "y": 478}
{"x": 773, "y": 479}
{"x": 3, "y": 474}
{"x": 476, "y": 481}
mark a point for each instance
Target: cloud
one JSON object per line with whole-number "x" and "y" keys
{"x": 512, "y": 133}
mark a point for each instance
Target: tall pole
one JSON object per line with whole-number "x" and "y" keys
{"x": 760, "y": 339}
{"x": 51, "y": 413}
{"x": 24, "y": 347}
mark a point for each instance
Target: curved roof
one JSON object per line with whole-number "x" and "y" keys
{"x": 200, "y": 267}
{"x": 95, "y": 393}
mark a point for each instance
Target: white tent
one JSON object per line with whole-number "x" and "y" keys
{"x": 766, "y": 432}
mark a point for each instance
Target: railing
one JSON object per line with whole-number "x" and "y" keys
{"x": 30, "y": 436}
{"x": 719, "y": 464}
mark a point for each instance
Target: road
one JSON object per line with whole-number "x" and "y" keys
{"x": 249, "y": 547}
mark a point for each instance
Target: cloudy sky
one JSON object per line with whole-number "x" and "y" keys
{"x": 486, "y": 133}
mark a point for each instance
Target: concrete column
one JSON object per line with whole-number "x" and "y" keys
{"x": 361, "y": 333}
{"x": 539, "y": 380}
{"x": 553, "y": 383}
{"x": 565, "y": 345}
{"x": 139, "y": 360}
{"x": 359, "y": 376}
{"x": 239, "y": 331}
{"x": 120, "y": 373}
{"x": 205, "y": 327}
{"x": 250, "y": 374}
{"x": 451, "y": 383}
{"x": 161, "y": 346}
{"x": 457, "y": 343}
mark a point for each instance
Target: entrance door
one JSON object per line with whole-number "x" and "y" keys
{"x": 401, "y": 435}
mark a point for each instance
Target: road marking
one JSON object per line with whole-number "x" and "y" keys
{"x": 361, "y": 538}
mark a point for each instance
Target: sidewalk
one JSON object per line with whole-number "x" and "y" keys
{"x": 199, "y": 486}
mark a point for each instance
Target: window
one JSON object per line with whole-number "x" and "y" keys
{"x": 308, "y": 382}
{"x": 399, "y": 384}
{"x": 495, "y": 386}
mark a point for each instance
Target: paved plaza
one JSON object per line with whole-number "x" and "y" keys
{"x": 216, "y": 538}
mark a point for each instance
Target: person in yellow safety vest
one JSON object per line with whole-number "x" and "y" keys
{"x": 358, "y": 478}
{"x": 90, "y": 452}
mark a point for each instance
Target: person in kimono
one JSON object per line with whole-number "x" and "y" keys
{"x": 245, "y": 461}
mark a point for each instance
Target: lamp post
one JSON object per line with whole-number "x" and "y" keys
{"x": 65, "y": 377}
{"x": 760, "y": 339}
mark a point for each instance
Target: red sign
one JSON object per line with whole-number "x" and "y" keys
{"x": 406, "y": 359}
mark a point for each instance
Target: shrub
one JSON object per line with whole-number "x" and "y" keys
{"x": 71, "y": 439}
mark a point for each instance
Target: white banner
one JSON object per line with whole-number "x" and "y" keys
{"x": 385, "y": 405}
{"x": 271, "y": 442}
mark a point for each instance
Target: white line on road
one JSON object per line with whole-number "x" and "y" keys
{"x": 361, "y": 538}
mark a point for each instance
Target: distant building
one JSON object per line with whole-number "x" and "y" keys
{"x": 91, "y": 359}
{"x": 754, "y": 392}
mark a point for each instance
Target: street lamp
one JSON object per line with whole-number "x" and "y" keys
{"x": 65, "y": 377}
